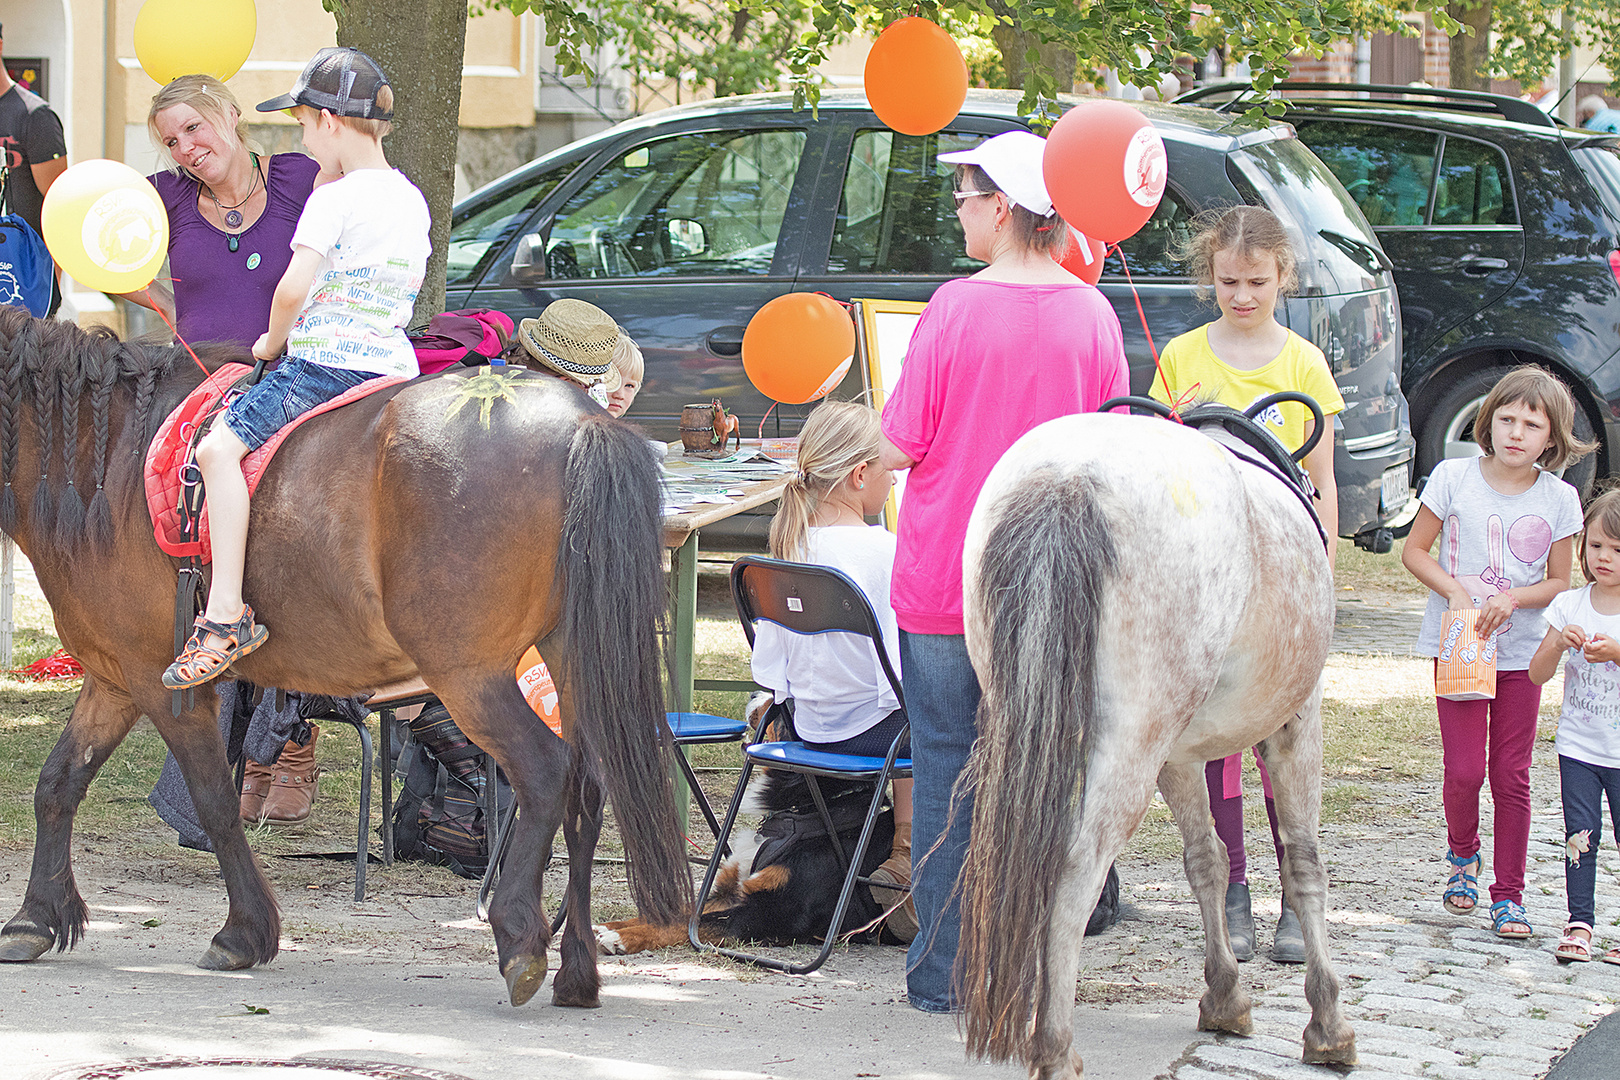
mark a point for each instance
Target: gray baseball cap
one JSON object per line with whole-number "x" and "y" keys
{"x": 342, "y": 81}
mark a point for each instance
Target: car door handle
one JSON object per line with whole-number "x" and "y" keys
{"x": 727, "y": 340}
{"x": 1479, "y": 266}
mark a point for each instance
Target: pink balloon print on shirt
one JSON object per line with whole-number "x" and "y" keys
{"x": 1530, "y": 538}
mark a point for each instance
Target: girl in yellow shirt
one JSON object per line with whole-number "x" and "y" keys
{"x": 1246, "y": 258}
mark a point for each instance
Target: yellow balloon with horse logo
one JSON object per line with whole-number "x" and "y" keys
{"x": 194, "y": 37}
{"x": 105, "y": 225}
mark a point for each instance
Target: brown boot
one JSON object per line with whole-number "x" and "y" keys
{"x": 895, "y": 871}
{"x": 292, "y": 789}
{"x": 255, "y": 786}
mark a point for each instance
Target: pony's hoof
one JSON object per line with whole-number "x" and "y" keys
{"x": 1238, "y": 1023}
{"x": 524, "y": 974}
{"x": 1341, "y": 1051}
{"x": 220, "y": 959}
{"x": 1070, "y": 1069}
{"x": 21, "y": 946}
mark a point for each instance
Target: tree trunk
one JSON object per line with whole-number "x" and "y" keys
{"x": 1014, "y": 42}
{"x": 1469, "y": 51}
{"x": 419, "y": 47}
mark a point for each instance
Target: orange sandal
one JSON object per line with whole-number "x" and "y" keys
{"x": 198, "y": 663}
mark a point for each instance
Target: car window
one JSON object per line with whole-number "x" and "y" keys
{"x": 708, "y": 203}
{"x": 1155, "y": 250}
{"x": 896, "y": 215}
{"x": 1386, "y": 170}
{"x": 1601, "y": 164}
{"x": 484, "y": 230}
{"x": 1473, "y": 188}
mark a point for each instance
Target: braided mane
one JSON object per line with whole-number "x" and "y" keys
{"x": 50, "y": 368}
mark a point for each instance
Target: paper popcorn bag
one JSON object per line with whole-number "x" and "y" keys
{"x": 1466, "y": 667}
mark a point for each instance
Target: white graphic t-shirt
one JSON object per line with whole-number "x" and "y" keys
{"x": 1491, "y": 542}
{"x": 371, "y": 229}
{"x": 1589, "y": 726}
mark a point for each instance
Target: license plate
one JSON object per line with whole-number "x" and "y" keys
{"x": 1396, "y": 488}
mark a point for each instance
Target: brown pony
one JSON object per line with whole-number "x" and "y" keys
{"x": 435, "y": 529}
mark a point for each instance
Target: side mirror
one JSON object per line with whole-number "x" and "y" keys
{"x": 687, "y": 238}
{"x": 529, "y": 260}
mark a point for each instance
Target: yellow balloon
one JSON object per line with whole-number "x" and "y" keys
{"x": 105, "y": 225}
{"x": 194, "y": 37}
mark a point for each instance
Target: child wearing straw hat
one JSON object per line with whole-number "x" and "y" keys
{"x": 574, "y": 341}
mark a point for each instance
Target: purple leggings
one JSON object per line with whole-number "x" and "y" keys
{"x": 1491, "y": 738}
{"x": 1228, "y": 814}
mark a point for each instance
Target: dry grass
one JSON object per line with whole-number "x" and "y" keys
{"x": 1357, "y": 571}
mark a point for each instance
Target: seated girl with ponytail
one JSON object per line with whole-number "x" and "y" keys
{"x": 842, "y": 703}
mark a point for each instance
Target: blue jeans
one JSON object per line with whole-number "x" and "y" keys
{"x": 282, "y": 396}
{"x": 1583, "y": 788}
{"x": 942, "y": 700}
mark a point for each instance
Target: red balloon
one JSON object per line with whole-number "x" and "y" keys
{"x": 1073, "y": 258}
{"x": 798, "y": 347}
{"x": 1105, "y": 169}
{"x": 916, "y": 79}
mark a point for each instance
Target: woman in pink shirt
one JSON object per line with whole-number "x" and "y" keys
{"x": 1021, "y": 342}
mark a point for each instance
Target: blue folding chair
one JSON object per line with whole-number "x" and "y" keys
{"x": 807, "y": 599}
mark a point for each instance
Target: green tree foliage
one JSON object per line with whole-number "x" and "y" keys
{"x": 737, "y": 50}
{"x": 1530, "y": 39}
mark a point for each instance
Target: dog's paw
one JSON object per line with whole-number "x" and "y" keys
{"x": 608, "y": 942}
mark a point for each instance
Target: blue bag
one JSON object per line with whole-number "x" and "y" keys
{"x": 26, "y": 269}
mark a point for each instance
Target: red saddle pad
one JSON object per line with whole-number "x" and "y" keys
{"x": 167, "y": 454}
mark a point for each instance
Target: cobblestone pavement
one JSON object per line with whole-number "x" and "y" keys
{"x": 1431, "y": 995}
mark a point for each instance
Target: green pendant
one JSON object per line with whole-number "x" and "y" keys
{"x": 233, "y": 243}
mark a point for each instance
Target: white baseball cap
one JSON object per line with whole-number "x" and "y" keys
{"x": 1013, "y": 160}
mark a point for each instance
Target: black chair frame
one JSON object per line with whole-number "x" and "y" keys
{"x": 808, "y": 600}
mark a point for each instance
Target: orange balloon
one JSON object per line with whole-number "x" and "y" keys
{"x": 1105, "y": 169}
{"x": 798, "y": 347}
{"x": 1073, "y": 258}
{"x": 916, "y": 79}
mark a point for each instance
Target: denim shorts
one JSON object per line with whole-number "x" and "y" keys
{"x": 285, "y": 394}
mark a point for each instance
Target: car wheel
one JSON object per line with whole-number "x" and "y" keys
{"x": 1449, "y": 429}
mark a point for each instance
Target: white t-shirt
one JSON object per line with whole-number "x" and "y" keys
{"x": 1589, "y": 726}
{"x": 371, "y": 229}
{"x": 836, "y": 683}
{"x": 1491, "y": 542}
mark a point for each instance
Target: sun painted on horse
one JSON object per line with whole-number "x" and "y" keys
{"x": 435, "y": 529}
{"x": 1138, "y": 601}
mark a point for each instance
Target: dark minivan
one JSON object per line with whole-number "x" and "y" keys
{"x": 683, "y": 223}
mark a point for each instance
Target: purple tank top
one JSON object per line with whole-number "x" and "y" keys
{"x": 221, "y": 295}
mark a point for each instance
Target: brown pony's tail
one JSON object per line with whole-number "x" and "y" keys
{"x": 613, "y": 610}
{"x": 1046, "y": 560}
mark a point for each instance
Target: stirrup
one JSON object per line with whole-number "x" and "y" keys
{"x": 198, "y": 663}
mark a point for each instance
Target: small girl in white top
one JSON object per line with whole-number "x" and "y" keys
{"x": 1583, "y": 630}
{"x": 842, "y": 702}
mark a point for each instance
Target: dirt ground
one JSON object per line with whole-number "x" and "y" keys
{"x": 1381, "y": 847}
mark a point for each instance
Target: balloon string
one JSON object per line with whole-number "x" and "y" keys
{"x": 147, "y": 292}
{"x": 764, "y": 418}
{"x": 1175, "y": 407}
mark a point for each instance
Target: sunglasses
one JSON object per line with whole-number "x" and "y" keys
{"x": 960, "y": 195}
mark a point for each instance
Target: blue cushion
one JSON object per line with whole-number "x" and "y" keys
{"x": 702, "y": 727}
{"x": 796, "y": 753}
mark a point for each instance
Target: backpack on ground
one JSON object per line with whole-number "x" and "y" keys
{"x": 439, "y": 814}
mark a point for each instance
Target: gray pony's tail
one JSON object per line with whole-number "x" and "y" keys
{"x": 1046, "y": 561}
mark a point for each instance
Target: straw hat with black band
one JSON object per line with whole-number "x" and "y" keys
{"x": 575, "y": 340}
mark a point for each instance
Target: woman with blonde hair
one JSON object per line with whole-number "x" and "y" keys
{"x": 842, "y": 701}
{"x": 232, "y": 211}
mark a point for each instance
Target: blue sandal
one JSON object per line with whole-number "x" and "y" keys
{"x": 1462, "y": 884}
{"x": 1510, "y": 913}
